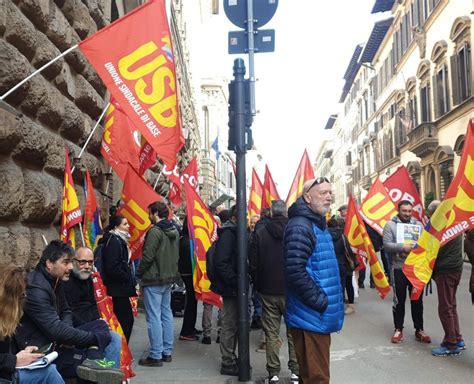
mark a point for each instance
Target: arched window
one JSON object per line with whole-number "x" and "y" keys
{"x": 441, "y": 98}
{"x": 411, "y": 110}
{"x": 423, "y": 74}
{"x": 461, "y": 59}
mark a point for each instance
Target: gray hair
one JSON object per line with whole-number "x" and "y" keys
{"x": 432, "y": 206}
{"x": 279, "y": 208}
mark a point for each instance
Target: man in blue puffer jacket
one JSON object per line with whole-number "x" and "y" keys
{"x": 314, "y": 301}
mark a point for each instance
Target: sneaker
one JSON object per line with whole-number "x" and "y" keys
{"x": 273, "y": 379}
{"x": 230, "y": 370}
{"x": 99, "y": 371}
{"x": 443, "y": 351}
{"x": 188, "y": 338}
{"x": 206, "y": 340}
{"x": 166, "y": 358}
{"x": 460, "y": 344}
{"x": 350, "y": 309}
{"x": 422, "y": 337}
{"x": 397, "y": 337}
{"x": 150, "y": 362}
{"x": 197, "y": 331}
{"x": 262, "y": 348}
{"x": 294, "y": 379}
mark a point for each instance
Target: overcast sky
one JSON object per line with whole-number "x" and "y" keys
{"x": 299, "y": 84}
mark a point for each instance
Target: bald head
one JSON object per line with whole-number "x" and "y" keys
{"x": 432, "y": 207}
{"x": 308, "y": 185}
{"x": 83, "y": 263}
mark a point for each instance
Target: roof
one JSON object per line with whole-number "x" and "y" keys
{"x": 330, "y": 122}
{"x": 351, "y": 71}
{"x": 382, "y": 6}
{"x": 378, "y": 33}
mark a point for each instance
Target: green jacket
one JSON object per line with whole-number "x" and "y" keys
{"x": 159, "y": 264}
{"x": 449, "y": 258}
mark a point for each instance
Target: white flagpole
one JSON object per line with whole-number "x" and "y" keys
{"x": 38, "y": 71}
{"x": 157, "y": 179}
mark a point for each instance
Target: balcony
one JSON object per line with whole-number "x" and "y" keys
{"x": 365, "y": 182}
{"x": 423, "y": 139}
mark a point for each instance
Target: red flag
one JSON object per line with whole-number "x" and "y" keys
{"x": 174, "y": 194}
{"x": 203, "y": 232}
{"x": 303, "y": 173}
{"x": 106, "y": 310}
{"x": 147, "y": 157}
{"x": 255, "y": 195}
{"x": 71, "y": 212}
{"x": 400, "y": 187}
{"x": 134, "y": 58}
{"x": 361, "y": 245}
{"x": 377, "y": 207}
{"x": 270, "y": 192}
{"x": 137, "y": 195}
{"x": 119, "y": 143}
{"x": 190, "y": 174}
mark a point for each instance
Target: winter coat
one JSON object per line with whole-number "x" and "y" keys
{"x": 7, "y": 360}
{"x": 47, "y": 316}
{"x": 393, "y": 249}
{"x": 266, "y": 257}
{"x": 225, "y": 282}
{"x": 341, "y": 247}
{"x": 449, "y": 257}
{"x": 159, "y": 264}
{"x": 117, "y": 273}
{"x": 81, "y": 299}
{"x": 314, "y": 300}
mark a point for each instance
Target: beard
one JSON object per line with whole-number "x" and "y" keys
{"x": 82, "y": 274}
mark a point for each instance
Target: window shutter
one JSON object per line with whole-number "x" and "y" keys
{"x": 436, "y": 108}
{"x": 455, "y": 79}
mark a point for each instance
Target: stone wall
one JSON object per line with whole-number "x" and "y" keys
{"x": 56, "y": 108}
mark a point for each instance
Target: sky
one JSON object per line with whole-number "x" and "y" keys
{"x": 299, "y": 85}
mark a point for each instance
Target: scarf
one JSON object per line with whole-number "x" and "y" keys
{"x": 124, "y": 236}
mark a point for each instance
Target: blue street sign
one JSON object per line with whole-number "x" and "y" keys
{"x": 264, "y": 41}
{"x": 263, "y": 11}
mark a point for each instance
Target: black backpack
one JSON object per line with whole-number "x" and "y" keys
{"x": 98, "y": 257}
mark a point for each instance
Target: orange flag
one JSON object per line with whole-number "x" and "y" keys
{"x": 71, "y": 212}
{"x": 203, "y": 232}
{"x": 303, "y": 173}
{"x": 106, "y": 310}
{"x": 361, "y": 245}
{"x": 255, "y": 196}
{"x": 134, "y": 58}
{"x": 453, "y": 216}
{"x": 137, "y": 195}
{"x": 270, "y": 192}
{"x": 377, "y": 207}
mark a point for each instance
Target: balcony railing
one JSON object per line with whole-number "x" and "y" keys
{"x": 423, "y": 139}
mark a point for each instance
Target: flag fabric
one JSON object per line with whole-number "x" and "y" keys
{"x": 377, "y": 208}
{"x": 190, "y": 173}
{"x": 203, "y": 232}
{"x": 106, "y": 310}
{"x": 134, "y": 58}
{"x": 255, "y": 195}
{"x": 119, "y": 142}
{"x": 137, "y": 195}
{"x": 146, "y": 157}
{"x": 174, "y": 194}
{"x": 92, "y": 228}
{"x": 303, "y": 173}
{"x": 405, "y": 121}
{"x": 270, "y": 192}
{"x": 71, "y": 212}
{"x": 361, "y": 245}
{"x": 215, "y": 147}
{"x": 400, "y": 187}
{"x": 453, "y": 216}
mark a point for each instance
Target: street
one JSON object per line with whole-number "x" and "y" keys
{"x": 361, "y": 353}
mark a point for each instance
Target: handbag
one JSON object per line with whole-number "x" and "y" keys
{"x": 349, "y": 259}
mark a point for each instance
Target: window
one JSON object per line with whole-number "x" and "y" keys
{"x": 441, "y": 92}
{"x": 425, "y": 104}
{"x": 461, "y": 76}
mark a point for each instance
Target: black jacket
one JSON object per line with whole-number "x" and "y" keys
{"x": 80, "y": 296}
{"x": 341, "y": 246}
{"x": 185, "y": 266}
{"x": 47, "y": 316}
{"x": 117, "y": 274}
{"x": 225, "y": 283}
{"x": 7, "y": 360}
{"x": 266, "y": 257}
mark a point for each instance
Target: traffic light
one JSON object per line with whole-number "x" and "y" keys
{"x": 248, "y": 116}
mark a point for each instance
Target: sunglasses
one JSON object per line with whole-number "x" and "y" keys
{"x": 317, "y": 181}
{"x": 84, "y": 262}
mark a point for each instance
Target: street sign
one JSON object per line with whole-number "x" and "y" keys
{"x": 264, "y": 41}
{"x": 263, "y": 11}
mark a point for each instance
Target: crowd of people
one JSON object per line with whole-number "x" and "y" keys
{"x": 301, "y": 269}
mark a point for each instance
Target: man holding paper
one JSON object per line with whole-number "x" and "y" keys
{"x": 399, "y": 237}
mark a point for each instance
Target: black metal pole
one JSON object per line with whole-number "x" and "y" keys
{"x": 242, "y": 268}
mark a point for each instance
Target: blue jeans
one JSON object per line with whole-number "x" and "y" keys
{"x": 112, "y": 351}
{"x": 48, "y": 375}
{"x": 159, "y": 319}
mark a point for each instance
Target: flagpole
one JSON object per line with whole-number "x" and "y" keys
{"x": 90, "y": 134}
{"x": 38, "y": 71}
{"x": 157, "y": 179}
{"x": 44, "y": 239}
{"x": 82, "y": 235}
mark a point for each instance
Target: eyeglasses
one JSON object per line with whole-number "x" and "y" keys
{"x": 317, "y": 181}
{"x": 84, "y": 262}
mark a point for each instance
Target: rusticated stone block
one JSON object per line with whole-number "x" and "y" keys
{"x": 65, "y": 81}
{"x": 37, "y": 243}
{"x": 14, "y": 67}
{"x": 20, "y": 32}
{"x": 11, "y": 190}
{"x": 95, "y": 141}
{"x": 15, "y": 242}
{"x": 98, "y": 12}
{"x": 45, "y": 52}
{"x": 76, "y": 59}
{"x": 33, "y": 145}
{"x": 37, "y": 11}
{"x": 51, "y": 111}
{"x": 37, "y": 93}
{"x": 58, "y": 29}
{"x": 72, "y": 125}
{"x": 77, "y": 14}
{"x": 95, "y": 168}
{"x": 43, "y": 199}
{"x": 87, "y": 98}
{"x": 93, "y": 78}
{"x": 3, "y": 16}
{"x": 55, "y": 160}
{"x": 10, "y": 134}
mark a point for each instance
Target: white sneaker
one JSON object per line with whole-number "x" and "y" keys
{"x": 294, "y": 378}
{"x": 274, "y": 379}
